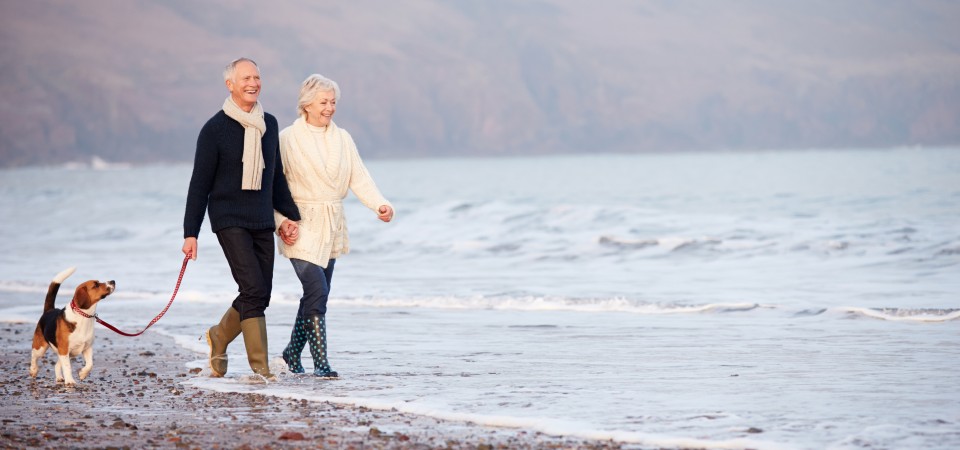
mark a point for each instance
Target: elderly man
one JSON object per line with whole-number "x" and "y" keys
{"x": 238, "y": 177}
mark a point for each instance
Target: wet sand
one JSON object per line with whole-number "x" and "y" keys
{"x": 135, "y": 398}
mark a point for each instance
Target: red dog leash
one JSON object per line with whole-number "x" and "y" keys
{"x": 155, "y": 319}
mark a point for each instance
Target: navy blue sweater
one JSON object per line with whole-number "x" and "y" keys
{"x": 217, "y": 171}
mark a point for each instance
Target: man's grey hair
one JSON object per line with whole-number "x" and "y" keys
{"x": 232, "y": 67}
{"x": 311, "y": 86}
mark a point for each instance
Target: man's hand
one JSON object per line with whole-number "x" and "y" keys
{"x": 190, "y": 247}
{"x": 289, "y": 232}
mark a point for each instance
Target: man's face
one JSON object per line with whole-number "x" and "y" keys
{"x": 245, "y": 86}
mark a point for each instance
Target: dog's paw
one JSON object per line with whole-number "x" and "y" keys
{"x": 83, "y": 373}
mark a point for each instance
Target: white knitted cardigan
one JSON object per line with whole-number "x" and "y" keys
{"x": 319, "y": 174}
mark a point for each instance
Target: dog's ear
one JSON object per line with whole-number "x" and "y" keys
{"x": 82, "y": 297}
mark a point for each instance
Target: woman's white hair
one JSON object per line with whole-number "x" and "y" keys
{"x": 232, "y": 67}
{"x": 311, "y": 86}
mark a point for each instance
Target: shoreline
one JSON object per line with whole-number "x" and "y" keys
{"x": 135, "y": 398}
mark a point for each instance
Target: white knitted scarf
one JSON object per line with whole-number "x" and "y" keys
{"x": 253, "y": 129}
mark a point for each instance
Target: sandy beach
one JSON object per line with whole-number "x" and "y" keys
{"x": 135, "y": 398}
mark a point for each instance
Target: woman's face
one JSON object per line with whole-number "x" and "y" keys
{"x": 320, "y": 111}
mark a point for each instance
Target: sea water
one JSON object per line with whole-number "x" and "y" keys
{"x": 801, "y": 299}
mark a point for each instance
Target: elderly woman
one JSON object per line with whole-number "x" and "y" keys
{"x": 320, "y": 162}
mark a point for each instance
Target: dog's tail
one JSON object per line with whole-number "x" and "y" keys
{"x": 55, "y": 287}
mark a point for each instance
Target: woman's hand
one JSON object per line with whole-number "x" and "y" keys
{"x": 385, "y": 213}
{"x": 289, "y": 232}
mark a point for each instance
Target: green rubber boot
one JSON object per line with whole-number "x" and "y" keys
{"x": 255, "y": 339}
{"x": 219, "y": 337}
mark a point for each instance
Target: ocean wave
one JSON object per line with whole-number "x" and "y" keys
{"x": 624, "y": 305}
{"x": 22, "y": 287}
{"x": 670, "y": 243}
{"x": 731, "y": 245}
{"x": 904, "y": 314}
{"x": 535, "y": 303}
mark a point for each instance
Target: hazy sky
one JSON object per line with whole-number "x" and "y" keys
{"x": 134, "y": 80}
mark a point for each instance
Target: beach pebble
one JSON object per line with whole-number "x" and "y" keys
{"x": 292, "y": 436}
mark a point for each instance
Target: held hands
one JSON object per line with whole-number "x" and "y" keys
{"x": 385, "y": 213}
{"x": 289, "y": 232}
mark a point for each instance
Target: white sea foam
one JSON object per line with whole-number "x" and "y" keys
{"x": 530, "y": 303}
{"x": 905, "y": 315}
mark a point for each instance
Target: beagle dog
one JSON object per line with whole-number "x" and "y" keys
{"x": 69, "y": 330}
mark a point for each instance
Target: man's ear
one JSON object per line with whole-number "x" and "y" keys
{"x": 229, "y": 84}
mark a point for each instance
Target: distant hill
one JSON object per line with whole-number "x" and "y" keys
{"x": 133, "y": 81}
